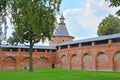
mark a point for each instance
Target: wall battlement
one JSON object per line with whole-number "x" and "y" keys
{"x": 88, "y": 55}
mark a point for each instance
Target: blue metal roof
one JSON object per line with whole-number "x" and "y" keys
{"x": 61, "y": 29}
{"x": 92, "y": 39}
{"x": 23, "y": 46}
{"x": 64, "y": 43}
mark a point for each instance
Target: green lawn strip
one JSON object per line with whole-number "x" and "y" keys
{"x": 58, "y": 74}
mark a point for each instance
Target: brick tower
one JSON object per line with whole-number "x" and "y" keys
{"x": 61, "y": 34}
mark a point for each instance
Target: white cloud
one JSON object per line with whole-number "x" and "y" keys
{"x": 90, "y": 22}
{"x": 102, "y": 3}
{"x": 72, "y": 11}
{"x": 90, "y": 15}
{"x": 88, "y": 8}
{"x": 86, "y": 37}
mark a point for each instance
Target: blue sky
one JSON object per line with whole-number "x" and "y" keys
{"x": 83, "y": 16}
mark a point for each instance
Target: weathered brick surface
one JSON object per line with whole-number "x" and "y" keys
{"x": 10, "y": 60}
{"x": 59, "y": 39}
{"x": 97, "y": 57}
{"x": 92, "y": 57}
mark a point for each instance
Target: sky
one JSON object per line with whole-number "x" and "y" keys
{"x": 82, "y": 17}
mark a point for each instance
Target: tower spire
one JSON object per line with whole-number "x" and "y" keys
{"x": 62, "y": 18}
{"x": 61, "y": 34}
{"x": 61, "y": 29}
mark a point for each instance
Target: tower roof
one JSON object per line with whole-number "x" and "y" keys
{"x": 61, "y": 29}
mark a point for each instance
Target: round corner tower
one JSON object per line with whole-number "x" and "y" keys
{"x": 61, "y": 34}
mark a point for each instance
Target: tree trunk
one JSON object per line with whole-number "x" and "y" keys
{"x": 31, "y": 58}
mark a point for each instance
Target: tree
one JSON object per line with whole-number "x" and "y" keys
{"x": 109, "y": 25}
{"x": 3, "y": 13}
{"x": 33, "y": 20}
{"x": 3, "y": 9}
{"x": 0, "y": 35}
{"x": 115, "y": 3}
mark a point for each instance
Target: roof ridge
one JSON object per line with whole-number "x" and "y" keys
{"x": 98, "y": 38}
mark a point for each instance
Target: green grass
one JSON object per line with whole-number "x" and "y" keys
{"x": 58, "y": 74}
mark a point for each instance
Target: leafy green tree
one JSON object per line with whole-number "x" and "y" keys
{"x": 109, "y": 25}
{"x": 115, "y": 3}
{"x": 0, "y": 35}
{"x": 34, "y": 21}
{"x": 3, "y": 8}
{"x": 3, "y": 13}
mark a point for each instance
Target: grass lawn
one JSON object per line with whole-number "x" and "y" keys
{"x": 58, "y": 74}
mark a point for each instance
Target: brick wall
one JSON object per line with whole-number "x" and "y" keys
{"x": 59, "y": 39}
{"x": 91, "y": 57}
{"x": 10, "y": 60}
{"x": 83, "y": 57}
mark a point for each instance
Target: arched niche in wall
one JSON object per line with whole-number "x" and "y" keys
{"x": 9, "y": 63}
{"x": 74, "y": 62}
{"x": 87, "y": 62}
{"x": 64, "y": 63}
{"x": 116, "y": 61}
{"x": 25, "y": 63}
{"x": 102, "y": 61}
{"x": 43, "y": 62}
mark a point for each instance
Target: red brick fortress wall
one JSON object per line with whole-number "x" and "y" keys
{"x": 99, "y": 55}
{"x": 59, "y": 39}
{"x": 95, "y": 55}
{"x": 13, "y": 58}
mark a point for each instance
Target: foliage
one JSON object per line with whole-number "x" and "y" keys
{"x": 115, "y": 3}
{"x": 0, "y": 35}
{"x": 59, "y": 74}
{"x": 109, "y": 25}
{"x": 3, "y": 8}
{"x": 33, "y": 20}
{"x": 3, "y": 16}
